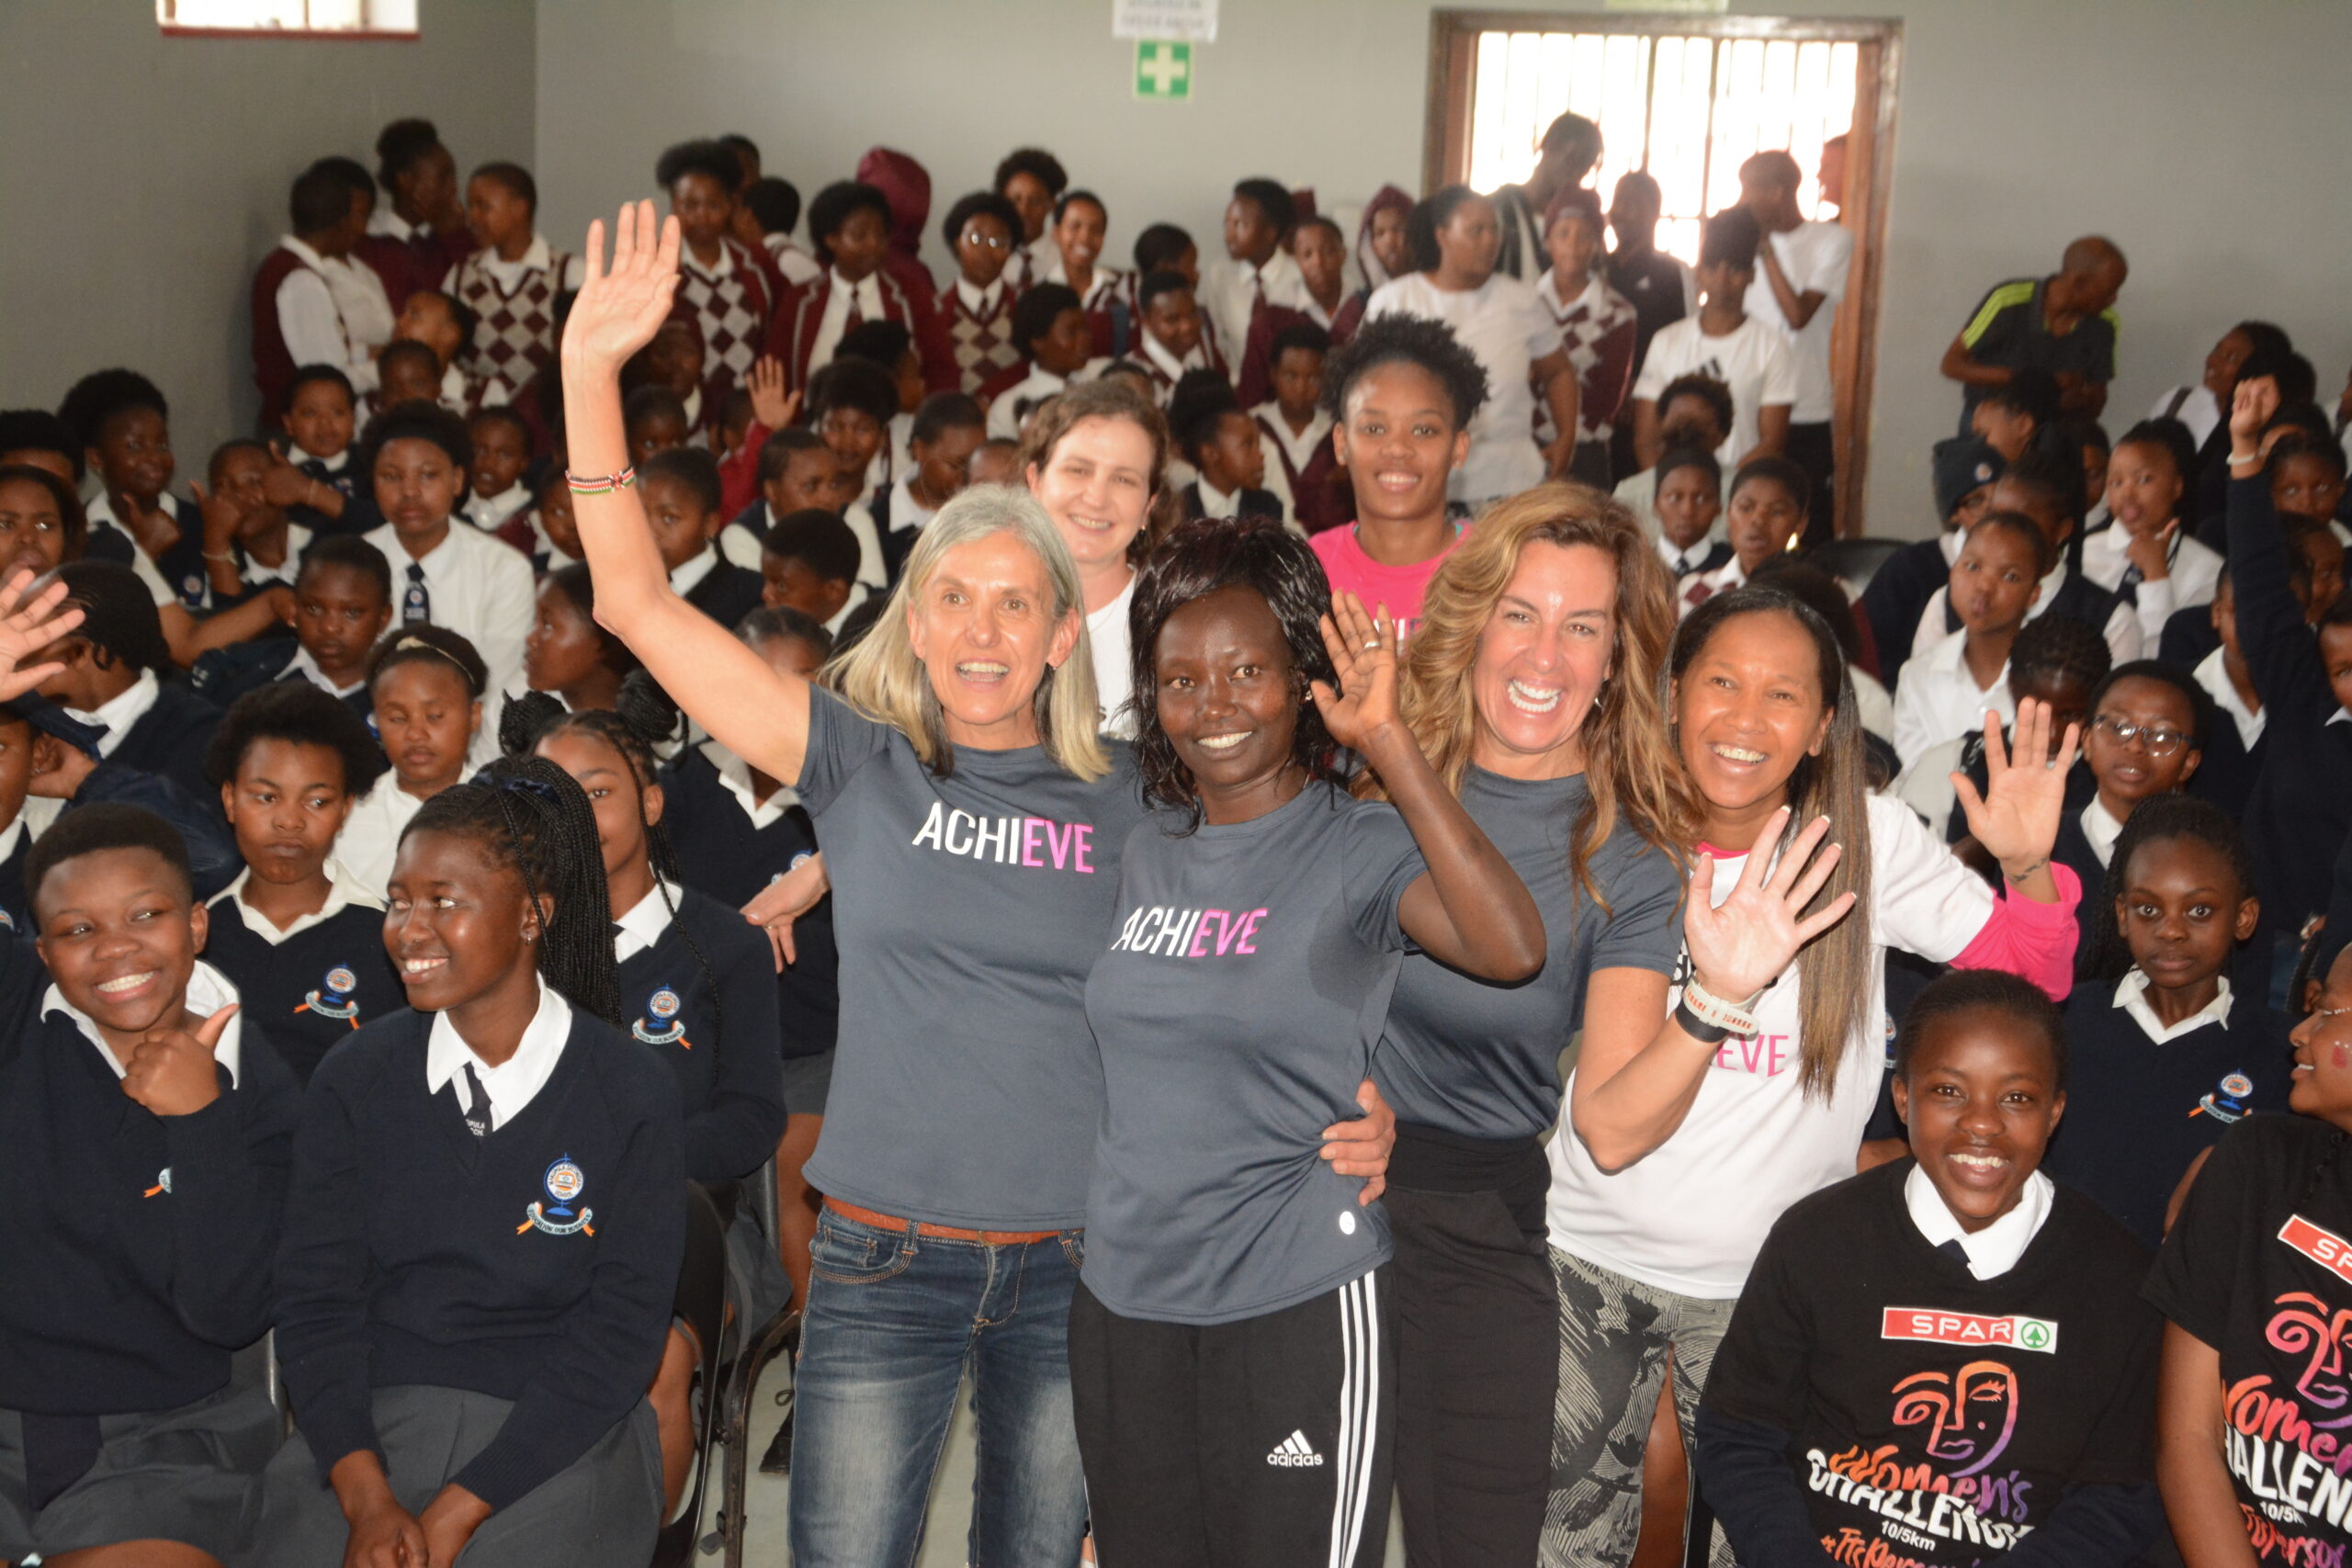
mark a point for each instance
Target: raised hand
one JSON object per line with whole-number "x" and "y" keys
{"x": 2016, "y": 818}
{"x": 1741, "y": 945}
{"x": 170, "y": 1070}
{"x": 29, "y": 622}
{"x": 621, "y": 307}
{"x": 222, "y": 515}
{"x": 771, "y": 404}
{"x": 2251, "y": 407}
{"x": 1364, "y": 655}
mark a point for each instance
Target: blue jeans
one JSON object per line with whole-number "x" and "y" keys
{"x": 893, "y": 1321}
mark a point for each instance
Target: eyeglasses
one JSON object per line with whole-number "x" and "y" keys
{"x": 985, "y": 240}
{"x": 2159, "y": 742}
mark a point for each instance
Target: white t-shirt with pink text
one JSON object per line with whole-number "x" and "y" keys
{"x": 1690, "y": 1217}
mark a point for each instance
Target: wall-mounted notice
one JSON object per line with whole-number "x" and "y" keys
{"x": 1192, "y": 20}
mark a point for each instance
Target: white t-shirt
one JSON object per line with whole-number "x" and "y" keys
{"x": 1755, "y": 362}
{"x": 1503, "y": 323}
{"x": 1813, "y": 257}
{"x": 1690, "y": 1215}
{"x": 1106, "y": 635}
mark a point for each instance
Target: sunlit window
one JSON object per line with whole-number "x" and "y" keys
{"x": 394, "y": 17}
{"x": 1690, "y": 110}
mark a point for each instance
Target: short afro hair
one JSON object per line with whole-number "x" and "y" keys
{"x": 1162, "y": 281}
{"x": 943, "y": 412}
{"x": 714, "y": 159}
{"x": 102, "y": 395}
{"x": 1196, "y": 405}
{"x": 1071, "y": 198}
{"x": 774, "y": 203}
{"x": 319, "y": 200}
{"x": 1303, "y": 337}
{"x": 303, "y": 713}
{"x": 516, "y": 178}
{"x": 418, "y": 420}
{"x": 37, "y": 430}
{"x": 1729, "y": 238}
{"x": 1407, "y": 340}
{"x": 858, "y": 384}
{"x": 818, "y": 540}
{"x": 350, "y": 552}
{"x": 691, "y": 466}
{"x": 782, "y": 445}
{"x": 1991, "y": 991}
{"x": 1160, "y": 245}
{"x": 400, "y": 145}
{"x": 330, "y": 374}
{"x": 885, "y": 343}
{"x": 1271, "y": 200}
{"x": 1706, "y": 389}
{"x": 1034, "y": 315}
{"x": 650, "y": 401}
{"x": 835, "y": 205}
{"x": 98, "y": 827}
{"x": 980, "y": 204}
{"x": 1038, "y": 164}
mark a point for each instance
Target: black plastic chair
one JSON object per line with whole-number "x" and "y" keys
{"x": 701, "y": 1304}
{"x": 743, "y": 1383}
{"x": 1854, "y": 561}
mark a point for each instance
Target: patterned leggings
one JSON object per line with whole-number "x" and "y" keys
{"x": 1614, "y": 1334}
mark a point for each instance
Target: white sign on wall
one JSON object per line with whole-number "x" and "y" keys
{"x": 1194, "y": 20}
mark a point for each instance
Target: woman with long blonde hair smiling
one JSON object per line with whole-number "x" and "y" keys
{"x": 1532, "y": 686}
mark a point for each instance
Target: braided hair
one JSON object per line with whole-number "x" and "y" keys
{"x": 530, "y": 815}
{"x": 641, "y": 719}
{"x": 2105, "y": 954}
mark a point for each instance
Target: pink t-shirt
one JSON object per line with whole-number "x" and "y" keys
{"x": 1398, "y": 587}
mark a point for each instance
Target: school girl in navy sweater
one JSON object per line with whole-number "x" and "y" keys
{"x": 304, "y": 943}
{"x": 477, "y": 1277}
{"x": 144, "y": 1134}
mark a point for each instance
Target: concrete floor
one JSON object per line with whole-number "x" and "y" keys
{"x": 951, "y": 1504}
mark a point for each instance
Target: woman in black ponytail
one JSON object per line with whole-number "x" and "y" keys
{"x": 696, "y": 986}
{"x": 484, "y": 1230}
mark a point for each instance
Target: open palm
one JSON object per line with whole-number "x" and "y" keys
{"x": 1741, "y": 945}
{"x": 29, "y": 622}
{"x": 1362, "y": 646}
{"x": 2025, "y": 786}
{"x": 620, "y": 307}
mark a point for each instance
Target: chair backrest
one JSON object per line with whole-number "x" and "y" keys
{"x": 1854, "y": 561}
{"x": 701, "y": 1306}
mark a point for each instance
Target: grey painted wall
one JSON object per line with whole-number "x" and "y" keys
{"x": 145, "y": 176}
{"x": 2205, "y": 138}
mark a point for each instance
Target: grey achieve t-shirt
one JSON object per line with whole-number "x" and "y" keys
{"x": 966, "y": 1089}
{"x": 1248, "y": 973}
{"x": 1467, "y": 1056}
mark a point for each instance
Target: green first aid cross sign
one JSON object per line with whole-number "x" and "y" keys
{"x": 1163, "y": 69}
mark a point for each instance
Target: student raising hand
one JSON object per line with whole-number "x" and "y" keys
{"x": 2015, "y": 819}
{"x": 621, "y": 307}
{"x": 29, "y": 623}
{"x": 171, "y": 1070}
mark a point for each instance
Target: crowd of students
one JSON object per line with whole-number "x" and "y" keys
{"x": 1189, "y": 750}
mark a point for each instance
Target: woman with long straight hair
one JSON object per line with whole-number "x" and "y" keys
{"x": 973, "y": 822}
{"x": 1680, "y": 1147}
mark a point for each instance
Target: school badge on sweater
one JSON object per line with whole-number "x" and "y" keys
{"x": 564, "y": 1182}
{"x": 334, "y": 998}
{"x": 665, "y": 1027}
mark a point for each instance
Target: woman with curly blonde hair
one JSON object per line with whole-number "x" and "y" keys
{"x": 1532, "y": 686}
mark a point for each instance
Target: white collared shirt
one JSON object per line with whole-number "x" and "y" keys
{"x": 509, "y": 275}
{"x": 981, "y": 302}
{"x": 1723, "y": 580}
{"x": 208, "y": 991}
{"x": 360, "y": 300}
{"x": 370, "y": 839}
{"x": 1166, "y": 362}
{"x": 1300, "y": 448}
{"x": 1108, "y": 633}
{"x": 1936, "y": 699}
{"x": 834, "y": 323}
{"x": 118, "y": 713}
{"x": 385, "y": 220}
{"x": 642, "y": 926}
{"x": 688, "y": 577}
{"x": 2100, "y": 827}
{"x": 298, "y": 454}
{"x": 1995, "y": 1250}
{"x": 2131, "y": 996}
{"x": 101, "y": 510}
{"x": 311, "y": 324}
{"x": 1230, "y": 290}
{"x": 2192, "y": 572}
{"x": 341, "y": 896}
{"x": 2124, "y": 639}
{"x": 490, "y": 513}
{"x": 289, "y": 566}
{"x": 858, "y": 595}
{"x": 1016, "y": 402}
{"x": 797, "y": 264}
{"x": 1215, "y": 502}
{"x": 907, "y": 513}
{"x": 480, "y": 589}
{"x": 305, "y": 666}
{"x": 2212, "y": 673}
{"x": 1682, "y": 563}
{"x": 513, "y": 1084}
{"x": 735, "y": 776}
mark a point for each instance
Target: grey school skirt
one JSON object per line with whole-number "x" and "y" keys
{"x": 192, "y": 1475}
{"x": 604, "y": 1511}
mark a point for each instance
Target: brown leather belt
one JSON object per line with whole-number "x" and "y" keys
{"x": 944, "y": 1232}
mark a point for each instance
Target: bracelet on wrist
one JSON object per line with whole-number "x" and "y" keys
{"x": 230, "y": 556}
{"x": 1734, "y": 1018}
{"x": 600, "y": 484}
{"x": 1698, "y": 1028}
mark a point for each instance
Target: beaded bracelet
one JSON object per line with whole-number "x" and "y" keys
{"x": 600, "y": 485}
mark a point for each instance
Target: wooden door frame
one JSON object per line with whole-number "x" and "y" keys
{"x": 1870, "y": 167}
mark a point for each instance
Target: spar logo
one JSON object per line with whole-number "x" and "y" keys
{"x": 1970, "y": 1328}
{"x": 2324, "y": 1247}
